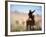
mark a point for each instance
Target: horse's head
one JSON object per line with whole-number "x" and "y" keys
{"x": 31, "y": 12}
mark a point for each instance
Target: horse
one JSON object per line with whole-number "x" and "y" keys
{"x": 30, "y": 21}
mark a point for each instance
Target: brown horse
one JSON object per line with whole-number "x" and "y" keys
{"x": 30, "y": 22}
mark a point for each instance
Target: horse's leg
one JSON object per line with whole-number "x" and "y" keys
{"x": 30, "y": 27}
{"x": 27, "y": 27}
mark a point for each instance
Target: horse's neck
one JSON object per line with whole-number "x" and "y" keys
{"x": 29, "y": 19}
{"x": 31, "y": 16}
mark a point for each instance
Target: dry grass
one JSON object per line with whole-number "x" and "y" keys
{"x": 18, "y": 22}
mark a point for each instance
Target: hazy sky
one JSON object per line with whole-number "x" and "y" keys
{"x": 26, "y": 8}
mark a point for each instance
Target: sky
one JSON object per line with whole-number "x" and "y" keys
{"x": 26, "y": 8}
